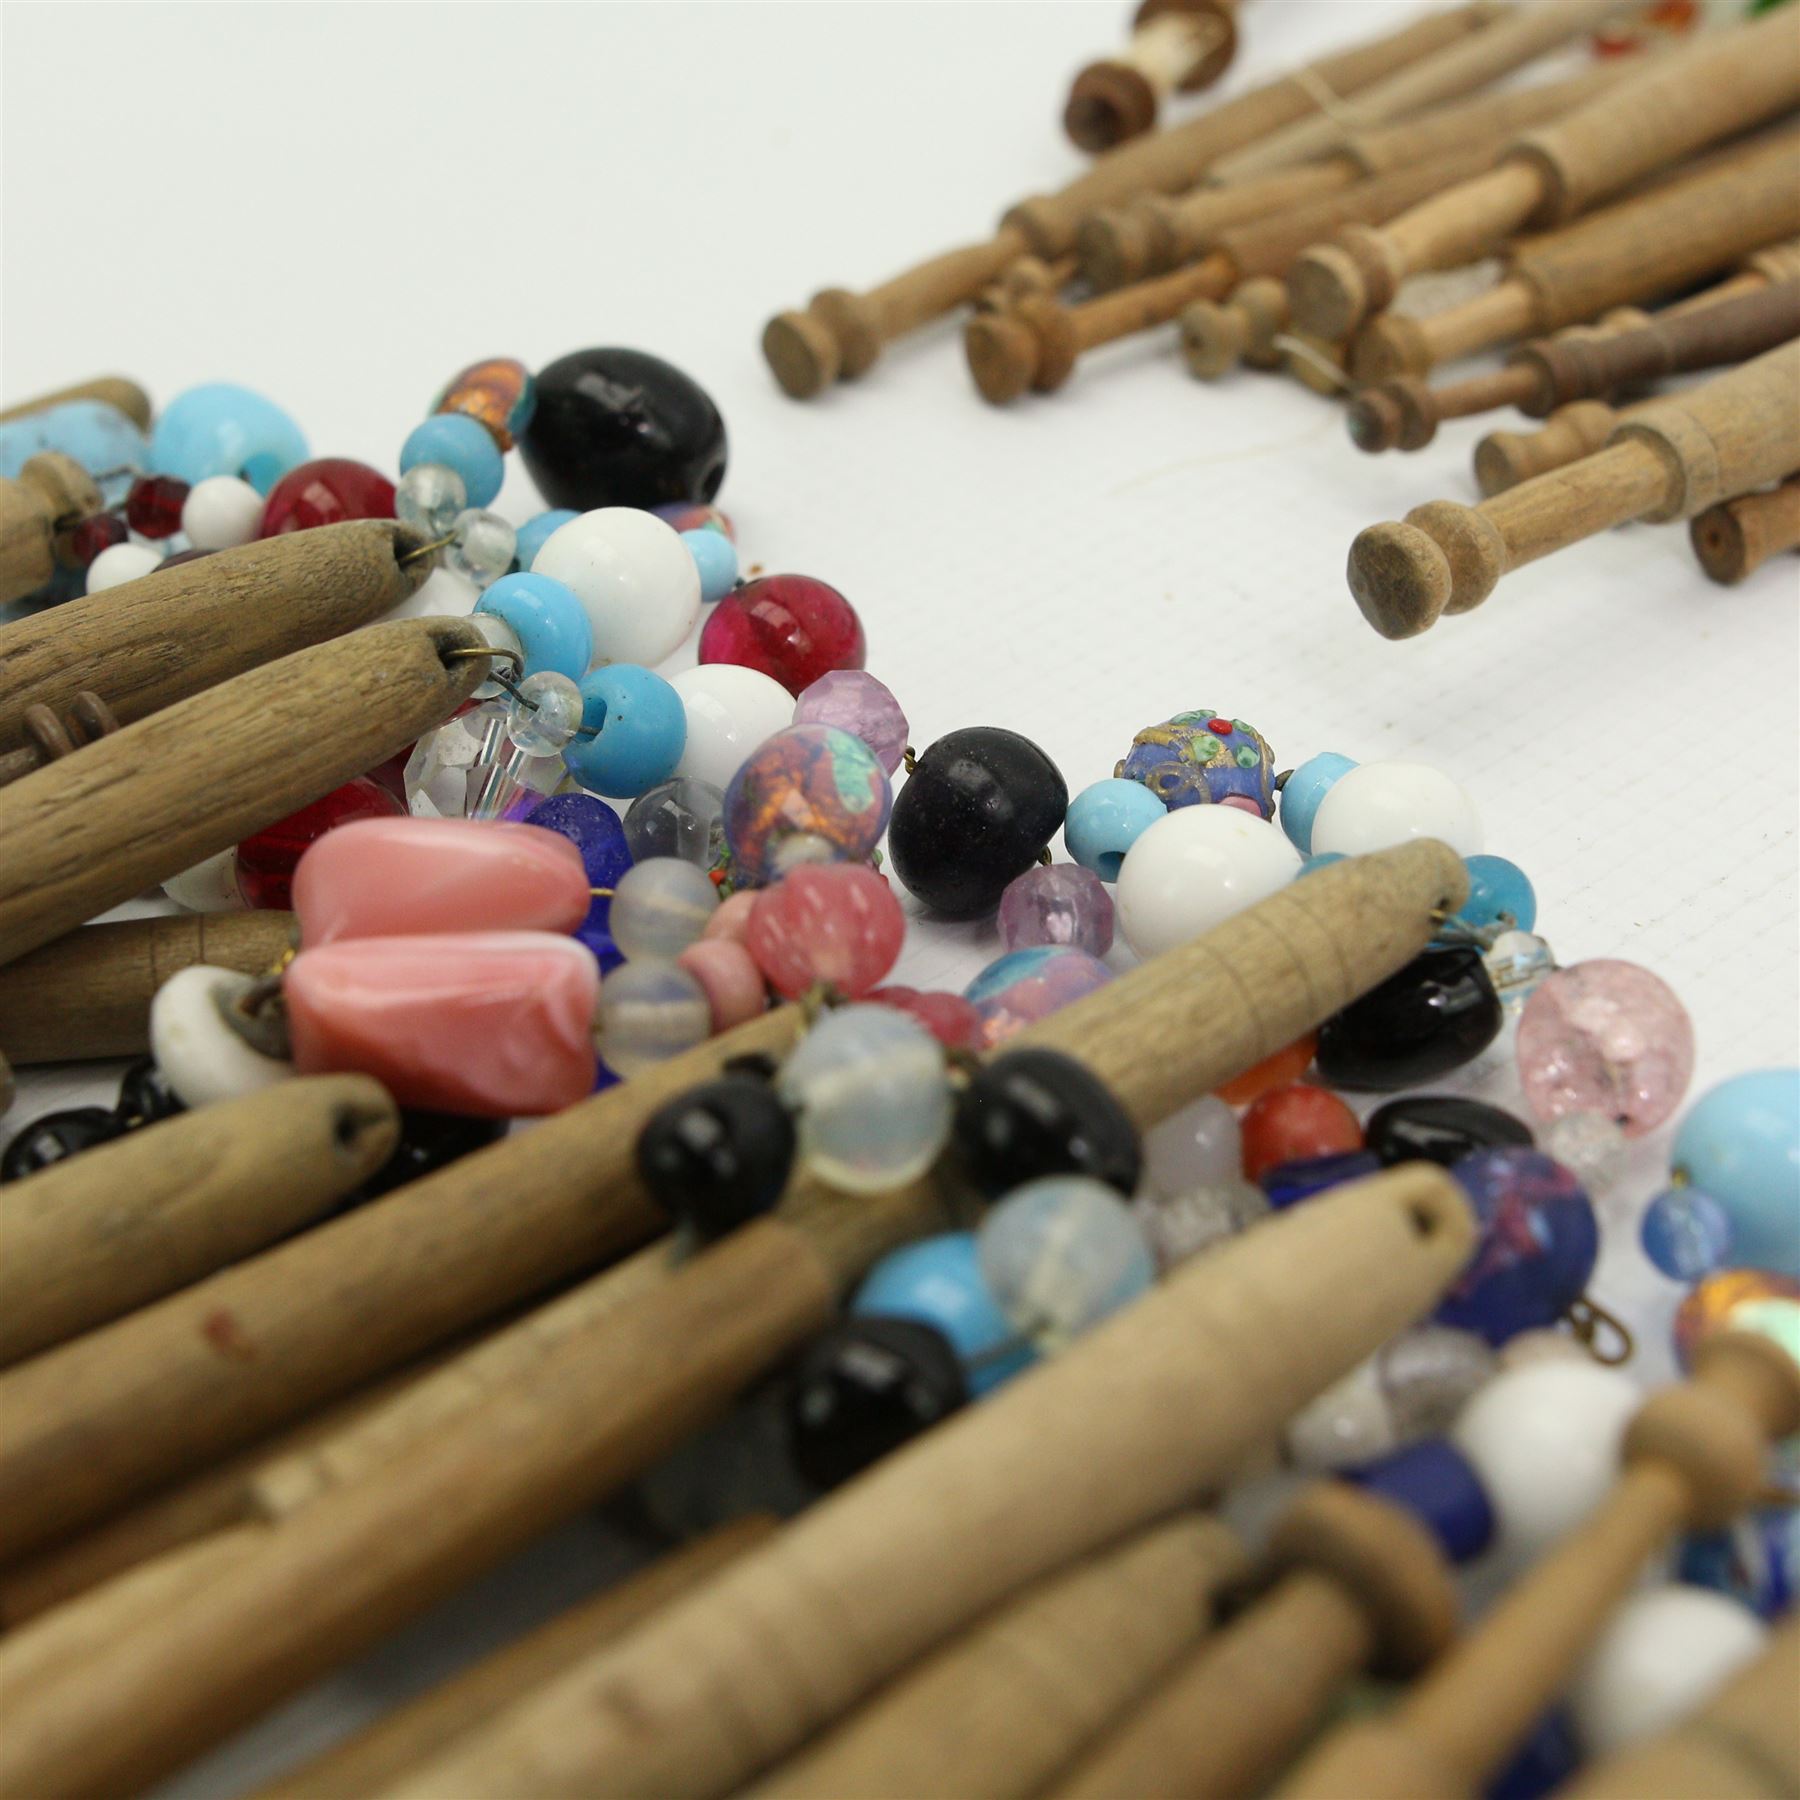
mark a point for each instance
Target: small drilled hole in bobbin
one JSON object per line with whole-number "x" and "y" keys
{"x": 1423, "y": 1219}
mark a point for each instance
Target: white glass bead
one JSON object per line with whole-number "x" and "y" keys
{"x": 873, "y": 1096}
{"x": 1195, "y": 869}
{"x": 661, "y": 906}
{"x": 220, "y": 513}
{"x": 209, "y": 886}
{"x": 650, "y": 1010}
{"x": 730, "y": 710}
{"x": 1183, "y": 1225}
{"x": 1664, "y": 1654}
{"x": 1544, "y": 1345}
{"x": 1380, "y": 804}
{"x": 545, "y": 714}
{"x": 1196, "y": 1147}
{"x": 482, "y": 549}
{"x": 1589, "y": 1145}
{"x": 430, "y": 497}
{"x": 121, "y": 563}
{"x": 637, "y": 580}
{"x": 502, "y": 637}
{"x": 1544, "y": 1438}
{"x": 1349, "y": 1423}
{"x": 201, "y": 1057}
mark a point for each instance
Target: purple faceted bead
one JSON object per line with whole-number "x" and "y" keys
{"x": 856, "y": 702}
{"x": 1061, "y": 904}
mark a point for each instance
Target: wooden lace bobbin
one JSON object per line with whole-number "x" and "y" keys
{"x": 1217, "y": 336}
{"x": 1692, "y": 1458}
{"x": 1356, "y": 1582}
{"x": 1675, "y": 457}
{"x": 995, "y": 1712}
{"x": 52, "y": 493}
{"x": 1177, "y": 46}
{"x": 1680, "y": 102}
{"x": 1734, "y": 539}
{"x": 114, "y": 390}
{"x": 171, "y": 634}
{"x": 1022, "y": 278}
{"x": 7, "y": 1085}
{"x": 840, "y": 335}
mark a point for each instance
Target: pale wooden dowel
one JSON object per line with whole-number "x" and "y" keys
{"x": 1735, "y": 538}
{"x": 114, "y": 390}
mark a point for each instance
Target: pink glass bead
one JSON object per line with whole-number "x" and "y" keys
{"x": 951, "y": 1019}
{"x": 837, "y": 924}
{"x": 1062, "y": 904}
{"x": 1027, "y": 985}
{"x": 733, "y": 984}
{"x": 407, "y": 877}
{"x": 731, "y": 917}
{"x": 267, "y": 861}
{"x": 790, "y": 627}
{"x": 854, "y": 701}
{"x": 493, "y": 1023}
{"x": 1605, "y": 1037}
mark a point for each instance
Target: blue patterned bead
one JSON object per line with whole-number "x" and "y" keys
{"x": 1437, "y": 1484}
{"x": 222, "y": 429}
{"x": 532, "y": 536}
{"x": 1740, "y": 1143}
{"x": 461, "y": 443}
{"x": 640, "y": 727}
{"x": 715, "y": 556}
{"x": 1202, "y": 757}
{"x": 1686, "y": 1233}
{"x": 1304, "y": 788}
{"x": 1290, "y": 1182}
{"x": 599, "y": 834}
{"x": 551, "y": 623}
{"x": 1105, "y": 819}
{"x": 90, "y": 432}
{"x": 1500, "y": 893}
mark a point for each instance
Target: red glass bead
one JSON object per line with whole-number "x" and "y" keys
{"x": 1275, "y": 1071}
{"x": 326, "y": 492}
{"x": 266, "y": 862}
{"x": 153, "y": 507}
{"x": 834, "y": 923}
{"x": 787, "y": 626}
{"x": 1293, "y": 1122}
{"x": 99, "y": 531}
{"x": 951, "y": 1019}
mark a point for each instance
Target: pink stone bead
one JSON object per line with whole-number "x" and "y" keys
{"x": 493, "y": 1023}
{"x": 1059, "y": 904}
{"x": 731, "y": 918}
{"x": 1605, "y": 1037}
{"x": 1244, "y": 803}
{"x": 407, "y": 877}
{"x": 951, "y": 1019}
{"x": 836, "y": 923}
{"x": 734, "y": 985}
{"x": 854, "y": 701}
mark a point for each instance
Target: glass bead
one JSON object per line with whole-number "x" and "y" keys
{"x": 153, "y": 507}
{"x": 1589, "y": 1145}
{"x": 1060, "y": 904}
{"x": 429, "y": 499}
{"x": 1061, "y": 1254}
{"x": 1740, "y": 1143}
{"x": 208, "y": 886}
{"x": 838, "y": 927}
{"x": 1183, "y": 1225}
{"x": 809, "y": 794}
{"x": 1200, "y": 758}
{"x": 1105, "y": 819}
{"x": 267, "y": 860}
{"x": 1756, "y": 1560}
{"x": 221, "y": 513}
{"x": 1739, "y": 1300}
{"x": 120, "y": 563}
{"x": 1200, "y": 1145}
{"x": 92, "y": 433}
{"x": 634, "y": 576}
{"x": 1438, "y": 1485}
{"x": 948, "y": 1017}
{"x": 56, "y": 1137}
{"x": 202, "y": 1058}
{"x": 97, "y": 534}
{"x": 650, "y": 1010}
{"x": 791, "y": 627}
{"x": 690, "y": 515}
{"x": 596, "y": 831}
{"x": 730, "y": 711}
{"x": 1379, "y": 804}
{"x": 732, "y": 919}
{"x": 854, "y": 701}
{"x": 447, "y": 764}
{"x": 481, "y": 547}
{"x": 1024, "y": 986}
{"x": 873, "y": 1095}
{"x": 220, "y": 429}
{"x": 1425, "y": 1020}
{"x": 1441, "y": 1128}
{"x": 1314, "y": 864}
{"x": 1295, "y": 1122}
{"x": 719, "y": 1155}
{"x": 715, "y": 557}
{"x": 735, "y": 989}
{"x": 1288, "y": 1183}
{"x": 1302, "y": 792}
{"x": 1517, "y": 962}
{"x": 430, "y": 1141}
{"x": 1541, "y": 1764}
{"x": 1500, "y": 893}
{"x": 1429, "y": 1374}
{"x": 638, "y": 730}
{"x": 1606, "y": 1037}
{"x": 537, "y": 531}
{"x": 683, "y": 818}
{"x": 455, "y": 441}
{"x": 544, "y": 715}
{"x": 1350, "y": 1422}
{"x": 1272, "y": 1072}
{"x": 660, "y": 905}
{"x": 1686, "y": 1233}
{"x": 1030, "y": 1114}
{"x": 498, "y": 392}
{"x": 1193, "y": 870}
{"x": 326, "y": 492}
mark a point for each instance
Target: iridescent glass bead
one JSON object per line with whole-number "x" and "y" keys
{"x": 809, "y": 794}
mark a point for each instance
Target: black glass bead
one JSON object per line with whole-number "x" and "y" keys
{"x": 56, "y": 1137}
{"x": 430, "y": 1141}
{"x": 145, "y": 1095}
{"x": 1441, "y": 1128}
{"x": 1037, "y": 1112}
{"x": 1433, "y": 1016}
{"x": 719, "y": 1155}
{"x": 622, "y": 428}
{"x": 864, "y": 1389}
{"x": 976, "y": 812}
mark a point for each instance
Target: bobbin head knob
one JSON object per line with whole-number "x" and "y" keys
{"x": 1334, "y": 286}
{"x": 801, "y": 352}
{"x": 1108, "y": 103}
{"x": 1389, "y": 348}
{"x": 1115, "y": 248}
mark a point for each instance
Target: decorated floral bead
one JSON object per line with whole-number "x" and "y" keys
{"x": 456, "y": 441}
{"x": 498, "y": 392}
{"x": 267, "y": 861}
{"x": 202, "y": 1058}
{"x": 153, "y": 507}
{"x": 1199, "y": 1146}
{"x": 1740, "y": 1299}
{"x": 599, "y": 838}
{"x": 1272, "y": 1072}
{"x": 651, "y": 1010}
{"x": 715, "y": 557}
{"x": 661, "y": 906}
{"x": 1302, "y": 792}
{"x": 1024, "y": 986}
{"x": 730, "y": 710}
{"x": 809, "y": 794}
{"x": 481, "y": 547}
{"x": 1294, "y": 1122}
{"x": 1105, "y": 819}
{"x": 638, "y": 730}
{"x": 552, "y": 625}
{"x": 221, "y": 512}
{"x": 537, "y": 531}
{"x": 838, "y": 926}
{"x": 1606, "y": 1037}
{"x": 1377, "y": 805}
{"x": 1193, "y": 870}
{"x": 326, "y": 492}
{"x": 220, "y": 429}
{"x": 121, "y": 563}
{"x": 1740, "y": 1143}
{"x": 1425, "y": 1020}
{"x": 429, "y": 498}
{"x": 791, "y": 627}
{"x": 1203, "y": 757}
{"x": 683, "y": 817}
{"x": 1060, "y": 904}
{"x": 730, "y": 979}
{"x": 1500, "y": 893}
{"x": 854, "y": 701}
{"x": 1686, "y": 1233}
{"x": 948, "y": 1017}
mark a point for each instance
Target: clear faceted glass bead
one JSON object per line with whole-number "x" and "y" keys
{"x": 429, "y": 498}
{"x": 481, "y": 551}
{"x": 1589, "y": 1145}
{"x": 1516, "y": 962}
{"x": 545, "y": 714}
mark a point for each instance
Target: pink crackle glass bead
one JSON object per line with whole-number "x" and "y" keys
{"x": 1605, "y": 1037}
{"x": 854, "y": 701}
{"x": 789, "y": 627}
{"x": 493, "y": 1023}
{"x": 1060, "y": 904}
{"x": 410, "y": 877}
{"x": 728, "y": 974}
{"x": 951, "y": 1019}
{"x": 835, "y": 923}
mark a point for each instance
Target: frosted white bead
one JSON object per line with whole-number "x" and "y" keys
{"x": 1544, "y": 1345}
{"x": 209, "y": 886}
{"x": 730, "y": 710}
{"x": 1380, "y": 804}
{"x": 1544, "y": 1438}
{"x": 1663, "y": 1656}
{"x": 1194, "y": 869}
{"x": 221, "y": 512}
{"x": 661, "y": 906}
{"x": 1349, "y": 1423}
{"x": 649, "y": 1011}
{"x": 1199, "y": 1146}
{"x": 636, "y": 578}
{"x": 122, "y": 563}
{"x": 430, "y": 498}
{"x": 200, "y": 1056}
{"x": 1180, "y": 1226}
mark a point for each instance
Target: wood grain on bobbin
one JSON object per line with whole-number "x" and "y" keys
{"x": 1735, "y": 538}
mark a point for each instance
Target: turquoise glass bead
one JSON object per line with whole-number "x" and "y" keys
{"x": 1498, "y": 888}
{"x": 640, "y": 727}
{"x": 1741, "y": 1144}
{"x": 715, "y": 556}
{"x": 460, "y": 443}
{"x": 96, "y": 435}
{"x": 1314, "y": 864}
{"x": 1301, "y": 793}
{"x": 939, "y": 1282}
{"x": 1105, "y": 819}
{"x": 222, "y": 429}
{"x": 552, "y": 625}
{"x": 536, "y": 532}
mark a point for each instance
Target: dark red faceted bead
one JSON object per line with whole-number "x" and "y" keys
{"x": 790, "y": 627}
{"x": 100, "y": 531}
{"x": 266, "y": 862}
{"x": 153, "y": 507}
{"x": 326, "y": 492}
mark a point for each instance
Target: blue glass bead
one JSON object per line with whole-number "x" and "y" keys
{"x": 1202, "y": 757}
{"x": 938, "y": 1280}
{"x": 1105, "y": 819}
{"x": 461, "y": 443}
{"x": 1541, "y": 1764}
{"x": 715, "y": 556}
{"x": 1756, "y": 1560}
{"x": 1301, "y": 793}
{"x": 599, "y": 834}
{"x": 96, "y": 435}
{"x": 1498, "y": 888}
{"x": 1686, "y": 1233}
{"x": 1740, "y": 1143}
{"x": 532, "y": 536}
{"x": 1323, "y": 860}
{"x": 640, "y": 731}
{"x": 1289, "y": 1182}
{"x": 551, "y": 624}
{"x": 1537, "y": 1246}
{"x": 222, "y": 429}
{"x": 1437, "y": 1484}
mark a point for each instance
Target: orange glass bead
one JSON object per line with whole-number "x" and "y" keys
{"x": 498, "y": 391}
{"x": 1276, "y": 1071}
{"x": 1289, "y": 1124}
{"x": 1739, "y": 1300}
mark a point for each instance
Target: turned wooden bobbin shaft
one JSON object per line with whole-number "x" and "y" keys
{"x": 1177, "y": 46}
{"x": 1218, "y": 335}
{"x": 52, "y": 493}
{"x": 114, "y": 390}
{"x": 1735, "y": 538}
